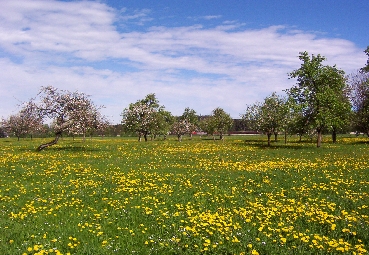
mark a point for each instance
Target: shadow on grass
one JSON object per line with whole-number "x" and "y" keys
{"x": 70, "y": 148}
{"x": 295, "y": 145}
{"x": 210, "y": 139}
{"x": 359, "y": 142}
{"x": 65, "y": 148}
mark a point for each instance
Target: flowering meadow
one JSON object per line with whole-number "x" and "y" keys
{"x": 238, "y": 196}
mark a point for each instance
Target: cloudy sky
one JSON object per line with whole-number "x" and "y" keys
{"x": 193, "y": 53}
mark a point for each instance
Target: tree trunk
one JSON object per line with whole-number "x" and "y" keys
{"x": 58, "y": 134}
{"x": 45, "y": 145}
{"x": 285, "y": 137}
{"x": 319, "y": 138}
{"x": 145, "y": 137}
{"x": 221, "y": 136}
{"x": 269, "y": 135}
{"x": 179, "y": 138}
{"x": 276, "y": 136}
{"x": 334, "y": 135}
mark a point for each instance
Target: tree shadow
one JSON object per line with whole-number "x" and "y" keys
{"x": 359, "y": 142}
{"x": 71, "y": 148}
{"x": 211, "y": 139}
{"x": 67, "y": 148}
{"x": 278, "y": 145}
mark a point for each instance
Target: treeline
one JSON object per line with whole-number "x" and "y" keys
{"x": 324, "y": 99}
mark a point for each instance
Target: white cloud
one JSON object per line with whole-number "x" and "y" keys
{"x": 209, "y": 17}
{"x": 71, "y": 45}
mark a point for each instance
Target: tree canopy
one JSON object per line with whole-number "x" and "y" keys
{"x": 359, "y": 94}
{"x": 366, "y": 68}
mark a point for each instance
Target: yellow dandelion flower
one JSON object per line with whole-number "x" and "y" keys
{"x": 254, "y": 252}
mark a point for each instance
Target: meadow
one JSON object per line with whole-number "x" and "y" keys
{"x": 199, "y": 196}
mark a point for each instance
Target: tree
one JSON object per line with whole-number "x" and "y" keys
{"x": 146, "y": 117}
{"x": 366, "y": 68}
{"x": 27, "y": 121}
{"x": 180, "y": 127}
{"x": 163, "y": 122}
{"x": 191, "y": 119}
{"x": 3, "y": 132}
{"x": 267, "y": 117}
{"x": 15, "y": 124}
{"x": 318, "y": 92}
{"x": 70, "y": 111}
{"x": 359, "y": 95}
{"x": 207, "y": 125}
{"x": 138, "y": 118}
{"x": 101, "y": 124}
{"x": 221, "y": 121}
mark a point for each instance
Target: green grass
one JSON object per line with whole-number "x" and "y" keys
{"x": 238, "y": 196}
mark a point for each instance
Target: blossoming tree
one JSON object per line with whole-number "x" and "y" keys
{"x": 69, "y": 111}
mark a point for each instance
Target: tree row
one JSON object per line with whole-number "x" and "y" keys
{"x": 323, "y": 99}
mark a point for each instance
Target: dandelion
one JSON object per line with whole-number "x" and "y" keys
{"x": 333, "y": 226}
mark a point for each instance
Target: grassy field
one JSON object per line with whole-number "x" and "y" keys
{"x": 119, "y": 196}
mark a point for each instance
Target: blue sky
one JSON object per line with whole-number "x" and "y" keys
{"x": 197, "y": 54}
